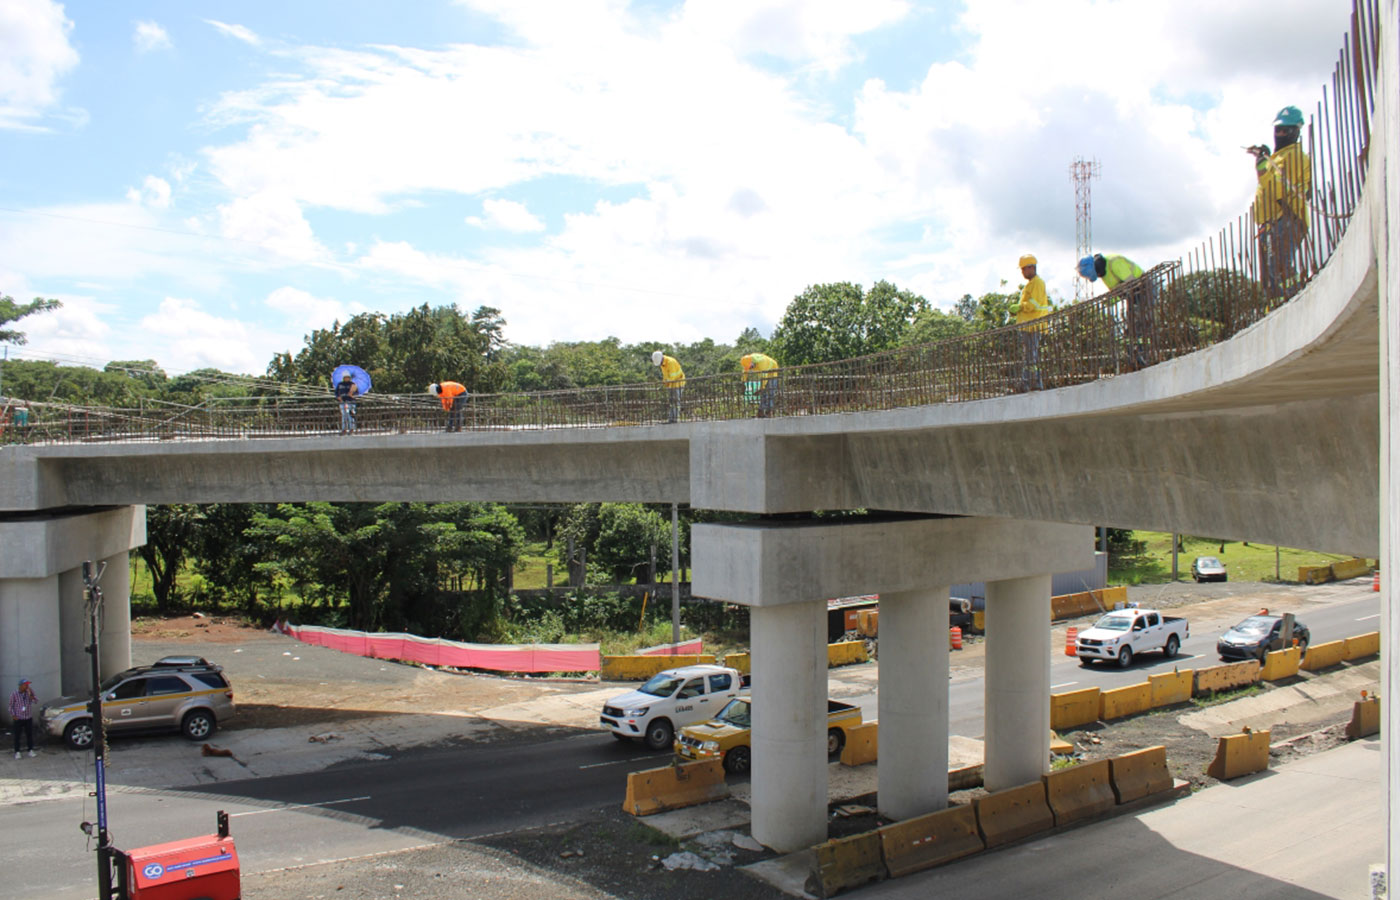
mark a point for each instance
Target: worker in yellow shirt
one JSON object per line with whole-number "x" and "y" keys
{"x": 1034, "y": 306}
{"x": 762, "y": 371}
{"x": 673, "y": 377}
{"x": 1281, "y": 204}
{"x": 1139, "y": 298}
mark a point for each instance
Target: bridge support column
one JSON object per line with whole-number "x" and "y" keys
{"x": 1017, "y": 706}
{"x": 789, "y": 724}
{"x": 43, "y": 629}
{"x": 913, "y": 764}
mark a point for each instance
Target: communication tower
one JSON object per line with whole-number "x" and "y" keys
{"x": 1081, "y": 172}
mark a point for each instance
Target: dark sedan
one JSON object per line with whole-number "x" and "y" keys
{"x": 1257, "y": 635}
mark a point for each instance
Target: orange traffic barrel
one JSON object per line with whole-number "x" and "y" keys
{"x": 955, "y": 634}
{"x": 1071, "y": 641}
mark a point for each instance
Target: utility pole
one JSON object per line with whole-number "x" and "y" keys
{"x": 1081, "y": 172}
{"x": 675, "y": 578}
{"x": 99, "y": 732}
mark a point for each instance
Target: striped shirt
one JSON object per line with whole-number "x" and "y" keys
{"x": 22, "y": 704}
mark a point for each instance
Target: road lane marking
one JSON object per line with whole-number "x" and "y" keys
{"x": 616, "y": 762}
{"x": 258, "y": 812}
{"x": 1364, "y": 618}
{"x": 1062, "y": 684}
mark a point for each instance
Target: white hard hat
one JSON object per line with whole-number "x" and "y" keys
{"x": 656, "y": 358}
{"x": 434, "y": 389}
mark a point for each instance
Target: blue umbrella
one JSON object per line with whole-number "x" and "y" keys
{"x": 357, "y": 375}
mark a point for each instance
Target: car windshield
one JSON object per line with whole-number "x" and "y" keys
{"x": 1208, "y": 562}
{"x": 1255, "y": 625}
{"x": 1115, "y": 623}
{"x": 661, "y": 685}
{"x": 736, "y": 712}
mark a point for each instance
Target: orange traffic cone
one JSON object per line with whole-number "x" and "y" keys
{"x": 1376, "y": 580}
{"x": 955, "y": 634}
{"x": 1071, "y": 641}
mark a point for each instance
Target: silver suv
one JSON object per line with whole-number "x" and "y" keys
{"x": 178, "y": 692}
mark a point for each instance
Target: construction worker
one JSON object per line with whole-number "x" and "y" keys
{"x": 1281, "y": 204}
{"x": 762, "y": 371}
{"x": 1116, "y": 269}
{"x": 454, "y": 400}
{"x": 345, "y": 393}
{"x": 1034, "y": 306}
{"x": 674, "y": 378}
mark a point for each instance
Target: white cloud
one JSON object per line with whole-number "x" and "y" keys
{"x": 154, "y": 192}
{"x": 148, "y": 36}
{"x": 272, "y": 221}
{"x": 237, "y": 32}
{"x": 506, "y": 215}
{"x": 34, "y": 55}
{"x": 304, "y": 311}
{"x": 196, "y": 339}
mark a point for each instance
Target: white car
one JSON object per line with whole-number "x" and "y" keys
{"x": 668, "y": 701}
{"x": 1124, "y": 633}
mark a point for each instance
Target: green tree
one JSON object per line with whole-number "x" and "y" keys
{"x": 231, "y": 558}
{"x": 626, "y": 534}
{"x": 170, "y": 531}
{"x": 10, "y": 311}
{"x": 829, "y": 322}
{"x": 934, "y": 325}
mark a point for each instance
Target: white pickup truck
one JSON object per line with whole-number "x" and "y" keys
{"x": 1124, "y": 633}
{"x": 668, "y": 701}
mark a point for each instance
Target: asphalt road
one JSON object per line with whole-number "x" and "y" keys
{"x": 470, "y": 790}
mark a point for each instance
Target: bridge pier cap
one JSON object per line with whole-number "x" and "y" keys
{"x": 768, "y": 562}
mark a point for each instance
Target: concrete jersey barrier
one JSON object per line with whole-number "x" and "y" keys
{"x": 1079, "y": 792}
{"x": 1139, "y": 774}
{"x": 1074, "y": 708}
{"x": 1014, "y": 813}
{"x": 1324, "y": 656}
{"x": 1125, "y": 701}
{"x": 930, "y": 840}
{"x": 1171, "y": 688}
{"x": 849, "y": 862}
{"x": 1240, "y": 754}
{"x": 1226, "y": 677}
{"x": 673, "y": 787}
{"x": 640, "y": 668}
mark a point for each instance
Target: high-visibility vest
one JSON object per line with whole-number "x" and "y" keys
{"x": 1118, "y": 269}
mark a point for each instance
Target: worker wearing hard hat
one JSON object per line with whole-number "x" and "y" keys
{"x": 761, "y": 371}
{"x": 673, "y": 377}
{"x": 1034, "y": 306}
{"x": 1281, "y": 204}
{"x": 454, "y": 400}
{"x": 1116, "y": 269}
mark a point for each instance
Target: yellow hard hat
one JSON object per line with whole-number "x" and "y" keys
{"x": 1027, "y": 259}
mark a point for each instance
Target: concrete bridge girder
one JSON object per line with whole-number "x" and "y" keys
{"x": 786, "y": 570}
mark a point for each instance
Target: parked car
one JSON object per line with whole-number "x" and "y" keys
{"x": 1124, "y": 633}
{"x": 669, "y": 700}
{"x": 184, "y": 693}
{"x": 1208, "y": 568}
{"x": 727, "y": 735}
{"x": 1257, "y": 635}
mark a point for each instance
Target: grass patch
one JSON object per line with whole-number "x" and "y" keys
{"x": 1062, "y": 762}
{"x": 1220, "y": 697}
{"x": 645, "y": 834}
{"x": 1245, "y": 561}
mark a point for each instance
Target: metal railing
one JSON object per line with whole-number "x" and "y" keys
{"x": 1230, "y": 282}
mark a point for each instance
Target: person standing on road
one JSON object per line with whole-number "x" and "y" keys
{"x": 1034, "y": 306}
{"x": 762, "y": 370}
{"x": 345, "y": 393}
{"x": 454, "y": 400}
{"x": 22, "y": 706}
{"x": 673, "y": 377}
{"x": 1116, "y": 269}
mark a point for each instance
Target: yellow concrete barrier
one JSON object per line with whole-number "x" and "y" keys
{"x": 1323, "y": 656}
{"x": 1281, "y": 664}
{"x": 1240, "y": 754}
{"x": 868, "y": 622}
{"x": 1226, "y": 678}
{"x": 931, "y": 840}
{"x": 1350, "y": 568}
{"x": 1139, "y": 774}
{"x": 640, "y": 668}
{"x": 1171, "y": 688}
{"x": 738, "y": 661}
{"x": 849, "y": 862}
{"x": 1125, "y": 701}
{"x": 672, "y": 787}
{"x": 1314, "y": 574}
{"x": 845, "y": 653}
{"x": 1086, "y": 603}
{"x": 1079, "y": 792}
{"x": 1074, "y": 708}
{"x": 862, "y": 744}
{"x": 1365, "y": 718}
{"x": 1013, "y": 814}
{"x": 1362, "y": 646}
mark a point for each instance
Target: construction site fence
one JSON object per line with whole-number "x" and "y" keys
{"x": 1230, "y": 282}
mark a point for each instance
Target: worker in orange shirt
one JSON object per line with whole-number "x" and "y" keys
{"x": 454, "y": 401}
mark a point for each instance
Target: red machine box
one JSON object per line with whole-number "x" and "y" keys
{"x": 201, "y": 868}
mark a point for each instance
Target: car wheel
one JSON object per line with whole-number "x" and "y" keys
{"x": 738, "y": 761}
{"x": 660, "y": 735}
{"x": 1173, "y": 646}
{"x": 197, "y": 725}
{"x": 79, "y": 734}
{"x": 835, "y": 740}
{"x": 1125, "y": 657}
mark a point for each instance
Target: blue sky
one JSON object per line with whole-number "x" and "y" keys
{"x": 205, "y": 183}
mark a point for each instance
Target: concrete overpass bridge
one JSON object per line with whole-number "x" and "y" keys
{"x": 1275, "y": 424}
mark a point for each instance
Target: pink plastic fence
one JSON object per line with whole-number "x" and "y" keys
{"x": 695, "y": 645}
{"x": 440, "y": 652}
